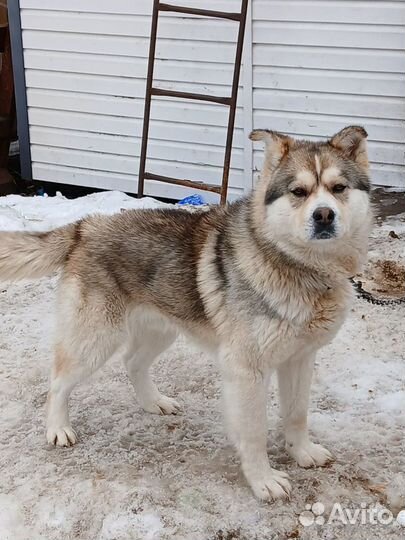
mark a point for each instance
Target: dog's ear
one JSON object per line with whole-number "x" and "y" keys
{"x": 277, "y": 146}
{"x": 352, "y": 143}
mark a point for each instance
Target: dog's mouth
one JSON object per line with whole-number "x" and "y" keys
{"x": 324, "y": 233}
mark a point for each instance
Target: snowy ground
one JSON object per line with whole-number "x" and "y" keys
{"x": 139, "y": 476}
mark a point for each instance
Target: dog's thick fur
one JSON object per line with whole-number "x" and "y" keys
{"x": 262, "y": 282}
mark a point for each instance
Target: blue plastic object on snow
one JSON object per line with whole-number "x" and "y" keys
{"x": 194, "y": 200}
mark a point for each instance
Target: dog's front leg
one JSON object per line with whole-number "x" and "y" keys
{"x": 244, "y": 392}
{"x": 294, "y": 380}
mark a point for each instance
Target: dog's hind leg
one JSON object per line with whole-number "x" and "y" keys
{"x": 71, "y": 366}
{"x": 141, "y": 353}
{"x": 88, "y": 335}
{"x": 294, "y": 380}
{"x": 64, "y": 377}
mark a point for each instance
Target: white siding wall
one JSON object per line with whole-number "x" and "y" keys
{"x": 320, "y": 65}
{"x": 86, "y": 63}
{"x": 315, "y": 66}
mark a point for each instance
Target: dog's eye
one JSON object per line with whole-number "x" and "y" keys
{"x": 299, "y": 192}
{"x": 339, "y": 188}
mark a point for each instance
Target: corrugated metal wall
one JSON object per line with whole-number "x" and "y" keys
{"x": 315, "y": 66}
{"x": 86, "y": 65}
{"x": 321, "y": 65}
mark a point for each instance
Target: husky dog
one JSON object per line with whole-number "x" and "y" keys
{"x": 262, "y": 282}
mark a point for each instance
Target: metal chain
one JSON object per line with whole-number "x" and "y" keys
{"x": 361, "y": 293}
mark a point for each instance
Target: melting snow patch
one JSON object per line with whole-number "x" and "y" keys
{"x": 145, "y": 526}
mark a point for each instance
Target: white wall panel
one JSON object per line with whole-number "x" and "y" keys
{"x": 86, "y": 68}
{"x": 321, "y": 65}
{"x": 312, "y": 67}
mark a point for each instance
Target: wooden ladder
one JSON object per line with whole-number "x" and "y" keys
{"x": 228, "y": 101}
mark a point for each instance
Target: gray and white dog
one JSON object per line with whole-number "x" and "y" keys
{"x": 263, "y": 283}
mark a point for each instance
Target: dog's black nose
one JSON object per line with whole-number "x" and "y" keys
{"x": 324, "y": 215}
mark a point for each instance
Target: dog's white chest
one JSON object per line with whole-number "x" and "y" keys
{"x": 312, "y": 328}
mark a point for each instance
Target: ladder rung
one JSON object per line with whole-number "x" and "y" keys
{"x": 186, "y": 183}
{"x": 202, "y": 12}
{"x": 189, "y": 95}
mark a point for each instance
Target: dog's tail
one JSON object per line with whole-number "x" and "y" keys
{"x": 33, "y": 255}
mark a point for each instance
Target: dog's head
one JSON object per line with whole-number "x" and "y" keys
{"x": 314, "y": 194}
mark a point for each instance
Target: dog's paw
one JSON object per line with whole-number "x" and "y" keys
{"x": 310, "y": 455}
{"x": 162, "y": 405}
{"x": 61, "y": 436}
{"x": 271, "y": 486}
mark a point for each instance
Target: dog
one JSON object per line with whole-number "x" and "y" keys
{"x": 262, "y": 283}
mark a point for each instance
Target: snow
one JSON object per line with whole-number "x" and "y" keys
{"x": 140, "y": 476}
{"x": 401, "y": 518}
{"x": 43, "y": 213}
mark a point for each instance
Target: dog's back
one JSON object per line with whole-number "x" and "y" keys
{"x": 142, "y": 256}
